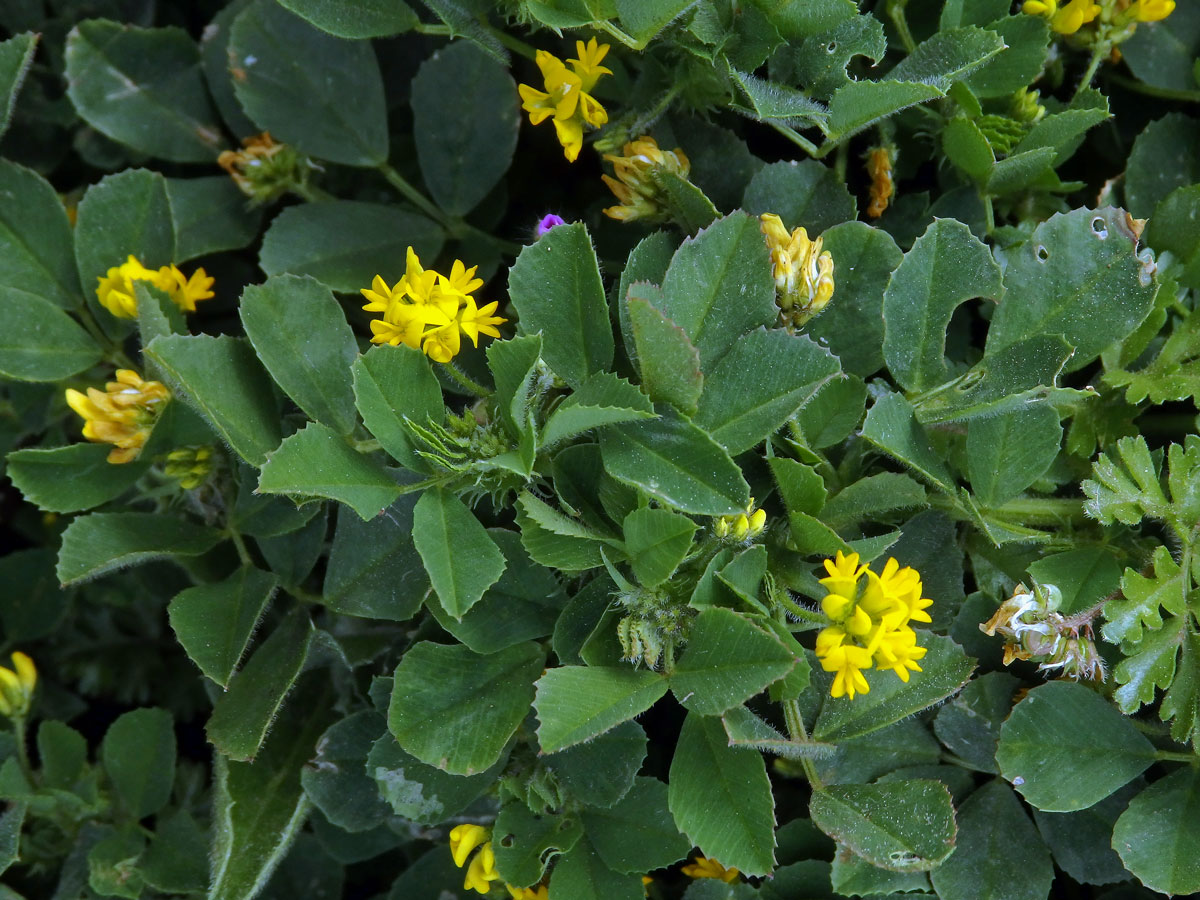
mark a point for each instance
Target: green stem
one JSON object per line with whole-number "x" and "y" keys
{"x": 367, "y": 446}
{"x": 310, "y": 193}
{"x": 1172, "y": 756}
{"x": 469, "y": 384}
{"x": 240, "y": 543}
{"x": 112, "y": 350}
{"x": 22, "y": 749}
{"x": 839, "y": 162}
{"x": 630, "y": 42}
{"x": 798, "y": 733}
{"x": 1151, "y": 91}
{"x": 1098, "y": 54}
{"x": 799, "y": 140}
{"x": 415, "y": 197}
{"x": 989, "y": 212}
{"x": 895, "y": 10}
{"x": 516, "y": 45}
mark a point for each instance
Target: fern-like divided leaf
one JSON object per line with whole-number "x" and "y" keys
{"x": 1129, "y": 488}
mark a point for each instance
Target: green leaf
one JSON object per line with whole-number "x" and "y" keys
{"x": 906, "y": 826}
{"x": 555, "y": 286}
{"x": 670, "y": 365}
{"x": 243, "y": 715}
{"x": 461, "y": 558}
{"x": 455, "y": 709}
{"x": 214, "y": 622}
{"x": 556, "y": 540}
{"x": 1164, "y": 157}
{"x": 857, "y": 105}
{"x": 688, "y": 206}
{"x": 1062, "y": 131}
{"x": 944, "y": 670}
{"x": 1078, "y": 276}
{"x": 871, "y": 497}
{"x": 1159, "y": 832}
{"x": 822, "y": 69}
{"x": 708, "y": 774}
{"x": 1028, "y": 39}
{"x": 891, "y": 426}
{"x": 719, "y": 286}
{"x": 1128, "y": 491}
{"x": 338, "y": 782}
{"x": 1059, "y": 767}
{"x": 465, "y": 118}
{"x": 374, "y": 570}
{"x": 177, "y": 859}
{"x": 294, "y": 81}
{"x": 143, "y": 87}
{"x": 645, "y": 18}
{"x": 946, "y": 266}
{"x": 392, "y": 384}
{"x": 11, "y": 823}
{"x": 745, "y": 402}
{"x": 966, "y": 146}
{"x": 745, "y": 729}
{"x": 36, "y": 240}
{"x": 259, "y": 807}
{"x": 15, "y": 56}
{"x": 419, "y": 792}
{"x": 111, "y": 864}
{"x": 71, "y": 479}
{"x": 647, "y": 262}
{"x": 767, "y": 100}
{"x": 1009, "y": 452}
{"x": 852, "y": 325}
{"x": 346, "y": 243}
{"x": 1148, "y": 664}
{"x": 317, "y": 462}
{"x": 40, "y": 342}
{"x": 98, "y": 543}
{"x": 805, "y": 193}
{"x": 364, "y": 19}
{"x": 1141, "y": 596}
{"x": 601, "y": 771}
{"x": 1082, "y": 841}
{"x": 833, "y": 412}
{"x": 138, "y": 753}
{"x": 513, "y": 364}
{"x": 582, "y": 875}
{"x": 948, "y": 56}
{"x": 603, "y": 399}
{"x": 676, "y": 463}
{"x": 222, "y": 379}
{"x": 64, "y": 754}
{"x": 1000, "y": 855}
{"x": 1084, "y": 577}
{"x": 727, "y": 661}
{"x": 657, "y": 541}
{"x": 1163, "y": 54}
{"x": 122, "y": 215}
{"x": 969, "y": 725}
{"x": 210, "y": 214}
{"x": 637, "y": 834}
{"x": 577, "y": 703}
{"x": 525, "y": 842}
{"x": 300, "y": 333}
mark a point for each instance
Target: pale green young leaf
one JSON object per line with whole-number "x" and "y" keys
{"x": 707, "y": 773}
{"x": 1128, "y": 490}
{"x": 455, "y": 709}
{"x": 1141, "y": 597}
{"x": 576, "y": 703}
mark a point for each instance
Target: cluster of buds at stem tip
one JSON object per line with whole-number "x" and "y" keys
{"x": 641, "y": 171}
{"x": 265, "y": 170}
{"x": 1034, "y": 629}
{"x": 16, "y": 687}
{"x": 743, "y": 526}
{"x": 803, "y": 272}
{"x": 190, "y": 466}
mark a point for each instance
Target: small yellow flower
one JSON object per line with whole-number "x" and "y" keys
{"x": 464, "y": 839}
{"x": 115, "y": 290}
{"x": 123, "y": 414}
{"x": 803, "y": 272}
{"x": 567, "y": 95}
{"x": 847, "y": 661}
{"x": 637, "y": 169}
{"x": 537, "y": 892}
{"x": 1151, "y": 10}
{"x": 16, "y": 687}
{"x": 709, "y": 868}
{"x": 482, "y": 870}
{"x": 1067, "y": 18}
{"x": 429, "y": 311}
{"x": 743, "y": 526}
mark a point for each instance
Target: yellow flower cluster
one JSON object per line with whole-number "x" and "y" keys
{"x": 709, "y": 868}
{"x": 115, "y": 291}
{"x": 16, "y": 687}
{"x": 482, "y": 869}
{"x": 803, "y": 272}
{"x": 429, "y": 311}
{"x": 567, "y": 96}
{"x": 744, "y": 526}
{"x": 869, "y": 618}
{"x": 879, "y": 167}
{"x": 1069, "y": 17}
{"x": 637, "y": 189}
{"x": 123, "y": 414}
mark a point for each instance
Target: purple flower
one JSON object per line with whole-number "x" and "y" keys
{"x": 547, "y": 222}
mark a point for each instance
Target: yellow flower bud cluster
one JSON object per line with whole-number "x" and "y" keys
{"x": 116, "y": 294}
{"x": 567, "y": 96}
{"x": 742, "y": 527}
{"x": 190, "y": 466}
{"x": 879, "y": 167}
{"x": 265, "y": 169}
{"x": 709, "y": 868}
{"x": 123, "y": 414}
{"x": 16, "y": 687}
{"x": 869, "y": 617}
{"x": 803, "y": 272}
{"x": 429, "y": 311}
{"x": 1033, "y": 628}
{"x": 638, "y": 169}
{"x": 481, "y": 871}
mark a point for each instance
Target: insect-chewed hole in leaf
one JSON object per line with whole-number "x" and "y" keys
{"x": 1100, "y": 228}
{"x": 1041, "y": 253}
